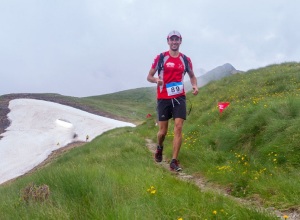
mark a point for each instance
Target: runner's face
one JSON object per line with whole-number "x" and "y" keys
{"x": 174, "y": 43}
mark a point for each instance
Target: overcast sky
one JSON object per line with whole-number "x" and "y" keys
{"x": 92, "y": 47}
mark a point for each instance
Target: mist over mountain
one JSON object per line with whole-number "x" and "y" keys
{"x": 215, "y": 74}
{"x": 199, "y": 71}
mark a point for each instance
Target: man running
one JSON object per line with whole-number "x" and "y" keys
{"x": 171, "y": 101}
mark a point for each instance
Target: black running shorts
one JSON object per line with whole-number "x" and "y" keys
{"x": 171, "y": 108}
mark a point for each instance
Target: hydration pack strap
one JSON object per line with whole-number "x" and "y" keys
{"x": 160, "y": 64}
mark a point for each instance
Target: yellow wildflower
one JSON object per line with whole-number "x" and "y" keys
{"x": 151, "y": 190}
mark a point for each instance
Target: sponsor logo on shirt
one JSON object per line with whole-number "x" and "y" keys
{"x": 169, "y": 64}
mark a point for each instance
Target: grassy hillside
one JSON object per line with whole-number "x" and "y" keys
{"x": 251, "y": 151}
{"x": 131, "y": 105}
{"x": 253, "y": 147}
{"x": 134, "y": 104}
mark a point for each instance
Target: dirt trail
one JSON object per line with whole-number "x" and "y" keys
{"x": 207, "y": 186}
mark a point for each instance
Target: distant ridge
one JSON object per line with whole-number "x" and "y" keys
{"x": 215, "y": 74}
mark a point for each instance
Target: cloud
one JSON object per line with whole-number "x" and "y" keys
{"x": 72, "y": 47}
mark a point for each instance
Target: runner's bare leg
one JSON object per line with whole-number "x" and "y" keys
{"x": 162, "y": 132}
{"x": 178, "y": 124}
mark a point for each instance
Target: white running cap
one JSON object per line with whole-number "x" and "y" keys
{"x": 174, "y": 33}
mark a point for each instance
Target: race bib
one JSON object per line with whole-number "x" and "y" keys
{"x": 174, "y": 88}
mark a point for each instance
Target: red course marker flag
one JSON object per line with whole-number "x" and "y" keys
{"x": 222, "y": 106}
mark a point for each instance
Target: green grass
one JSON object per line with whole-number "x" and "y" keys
{"x": 110, "y": 179}
{"x": 253, "y": 147}
{"x": 252, "y": 150}
{"x": 133, "y": 104}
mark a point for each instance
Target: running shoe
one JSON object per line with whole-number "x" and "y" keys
{"x": 174, "y": 165}
{"x": 158, "y": 154}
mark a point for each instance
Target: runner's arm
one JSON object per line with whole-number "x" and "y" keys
{"x": 193, "y": 80}
{"x": 153, "y": 79}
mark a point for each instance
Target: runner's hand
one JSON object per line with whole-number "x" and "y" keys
{"x": 159, "y": 82}
{"x": 195, "y": 90}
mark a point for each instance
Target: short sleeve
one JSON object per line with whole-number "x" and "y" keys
{"x": 190, "y": 63}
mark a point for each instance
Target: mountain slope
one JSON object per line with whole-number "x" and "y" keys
{"x": 251, "y": 150}
{"x": 256, "y": 139}
{"x": 215, "y": 74}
